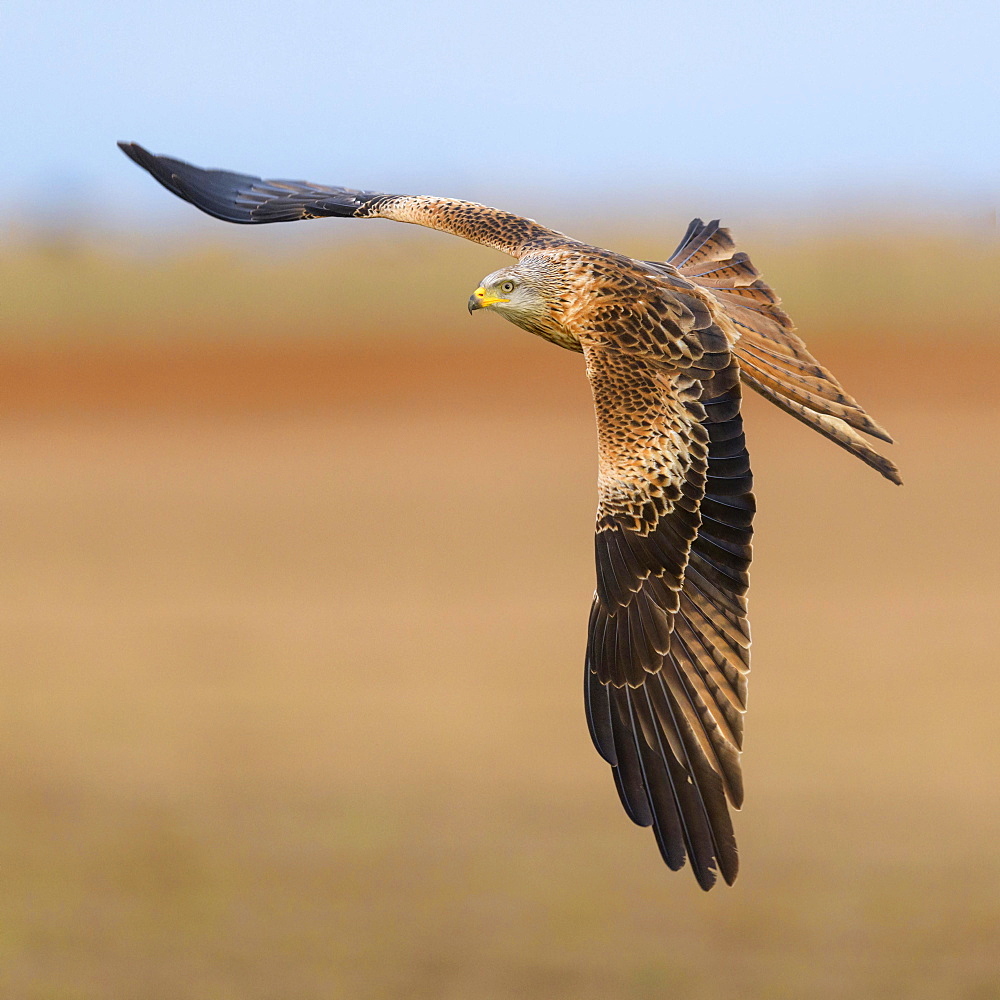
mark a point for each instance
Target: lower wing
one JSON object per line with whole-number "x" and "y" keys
{"x": 668, "y": 644}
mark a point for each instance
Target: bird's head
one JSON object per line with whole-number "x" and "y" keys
{"x": 509, "y": 293}
{"x": 530, "y": 294}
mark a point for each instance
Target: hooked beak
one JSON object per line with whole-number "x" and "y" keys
{"x": 480, "y": 300}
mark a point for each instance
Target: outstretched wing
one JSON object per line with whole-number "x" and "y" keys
{"x": 668, "y": 644}
{"x": 245, "y": 199}
{"x": 773, "y": 359}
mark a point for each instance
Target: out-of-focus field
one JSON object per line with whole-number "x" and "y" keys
{"x": 383, "y": 282}
{"x": 292, "y": 650}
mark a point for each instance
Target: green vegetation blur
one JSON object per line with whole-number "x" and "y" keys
{"x": 899, "y": 281}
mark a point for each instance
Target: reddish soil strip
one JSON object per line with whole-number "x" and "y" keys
{"x": 305, "y": 376}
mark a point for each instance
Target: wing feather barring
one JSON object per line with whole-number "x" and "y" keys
{"x": 668, "y": 346}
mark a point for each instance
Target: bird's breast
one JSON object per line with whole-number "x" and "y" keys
{"x": 556, "y": 334}
{"x": 549, "y": 328}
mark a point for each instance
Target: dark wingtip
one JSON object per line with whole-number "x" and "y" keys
{"x": 244, "y": 198}
{"x": 149, "y": 162}
{"x": 705, "y": 876}
{"x": 215, "y": 192}
{"x": 133, "y": 151}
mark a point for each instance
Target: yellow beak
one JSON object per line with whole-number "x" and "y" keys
{"x": 480, "y": 300}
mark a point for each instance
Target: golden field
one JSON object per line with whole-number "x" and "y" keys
{"x": 293, "y": 630}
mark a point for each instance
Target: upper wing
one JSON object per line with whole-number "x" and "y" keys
{"x": 667, "y": 650}
{"x": 773, "y": 360}
{"x": 246, "y": 199}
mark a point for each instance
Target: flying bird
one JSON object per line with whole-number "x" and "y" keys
{"x": 667, "y": 346}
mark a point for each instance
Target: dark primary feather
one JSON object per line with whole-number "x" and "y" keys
{"x": 245, "y": 199}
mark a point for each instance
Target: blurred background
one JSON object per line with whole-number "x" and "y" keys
{"x": 298, "y": 555}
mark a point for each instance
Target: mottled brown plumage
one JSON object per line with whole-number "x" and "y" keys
{"x": 667, "y": 346}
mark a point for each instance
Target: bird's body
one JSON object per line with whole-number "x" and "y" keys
{"x": 667, "y": 346}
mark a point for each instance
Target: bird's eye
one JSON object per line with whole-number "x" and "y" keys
{"x": 507, "y": 287}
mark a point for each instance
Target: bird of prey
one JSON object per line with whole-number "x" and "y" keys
{"x": 667, "y": 346}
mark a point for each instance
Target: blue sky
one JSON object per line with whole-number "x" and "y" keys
{"x": 776, "y": 100}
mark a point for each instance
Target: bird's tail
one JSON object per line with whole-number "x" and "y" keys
{"x": 772, "y": 359}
